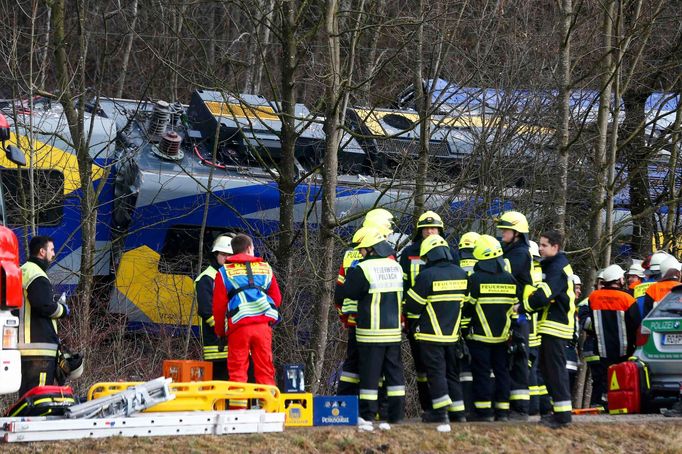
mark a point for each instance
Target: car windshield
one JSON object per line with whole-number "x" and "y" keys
{"x": 670, "y": 305}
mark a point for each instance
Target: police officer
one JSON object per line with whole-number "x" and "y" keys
{"x": 555, "y": 302}
{"x": 467, "y": 261}
{"x": 437, "y": 297}
{"x": 492, "y": 294}
{"x": 376, "y": 284}
{"x": 515, "y": 241}
{"x": 203, "y": 288}
{"x": 429, "y": 223}
{"x": 38, "y": 339}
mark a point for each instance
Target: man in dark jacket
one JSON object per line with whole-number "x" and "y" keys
{"x": 38, "y": 339}
{"x": 429, "y": 223}
{"x": 203, "y": 287}
{"x": 437, "y": 297}
{"x": 555, "y": 302}
{"x": 516, "y": 245}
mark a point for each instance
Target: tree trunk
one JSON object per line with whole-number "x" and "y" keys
{"x": 422, "y": 100}
{"x": 564, "y": 80}
{"x": 127, "y": 51}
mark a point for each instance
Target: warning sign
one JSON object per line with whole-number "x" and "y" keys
{"x": 614, "y": 386}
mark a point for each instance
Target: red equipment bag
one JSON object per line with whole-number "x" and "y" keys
{"x": 43, "y": 401}
{"x": 629, "y": 386}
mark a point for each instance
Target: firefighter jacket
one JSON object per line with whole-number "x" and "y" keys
{"x": 554, "y": 300}
{"x": 467, "y": 263}
{"x": 493, "y": 292}
{"x": 589, "y": 346}
{"x": 350, "y": 259}
{"x": 246, "y": 292}
{"x": 656, "y": 292}
{"x": 376, "y": 284}
{"x": 38, "y": 316}
{"x": 437, "y": 297}
{"x": 203, "y": 288}
{"x": 411, "y": 263}
{"x": 534, "y": 339}
{"x": 609, "y": 322}
{"x": 520, "y": 260}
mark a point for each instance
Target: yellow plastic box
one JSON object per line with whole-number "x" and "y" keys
{"x": 297, "y": 408}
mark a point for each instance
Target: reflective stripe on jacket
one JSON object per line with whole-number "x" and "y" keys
{"x": 38, "y": 316}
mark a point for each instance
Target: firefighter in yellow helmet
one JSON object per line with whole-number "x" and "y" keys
{"x": 429, "y": 223}
{"x": 380, "y": 219}
{"x": 376, "y": 284}
{"x": 493, "y": 292}
{"x": 350, "y": 377}
{"x": 515, "y": 242}
{"x": 467, "y": 261}
{"x": 437, "y": 297}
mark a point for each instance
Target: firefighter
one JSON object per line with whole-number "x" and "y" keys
{"x": 246, "y": 293}
{"x": 467, "y": 261}
{"x": 608, "y": 322}
{"x": 668, "y": 278}
{"x": 572, "y": 345}
{"x": 539, "y": 399}
{"x": 635, "y": 275}
{"x": 589, "y": 343}
{"x": 429, "y": 223}
{"x": 350, "y": 377}
{"x": 376, "y": 284}
{"x": 38, "y": 339}
{"x": 492, "y": 294}
{"x": 203, "y": 289}
{"x": 515, "y": 242}
{"x": 652, "y": 271}
{"x": 437, "y": 297}
{"x": 381, "y": 219}
{"x": 555, "y": 302}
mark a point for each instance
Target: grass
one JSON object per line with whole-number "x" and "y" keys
{"x": 661, "y": 437}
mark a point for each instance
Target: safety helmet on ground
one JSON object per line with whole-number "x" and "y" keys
{"x": 379, "y": 219}
{"x": 636, "y": 269}
{"x": 434, "y": 247}
{"x": 223, "y": 244}
{"x": 360, "y": 234}
{"x": 613, "y": 273}
{"x": 487, "y": 247}
{"x": 513, "y": 220}
{"x": 430, "y": 219}
{"x": 655, "y": 262}
{"x": 468, "y": 240}
{"x": 534, "y": 249}
{"x": 669, "y": 264}
{"x": 576, "y": 279}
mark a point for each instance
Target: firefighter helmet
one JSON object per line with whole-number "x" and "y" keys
{"x": 372, "y": 237}
{"x": 434, "y": 247}
{"x": 70, "y": 365}
{"x": 576, "y": 279}
{"x": 360, "y": 234}
{"x": 223, "y": 244}
{"x": 430, "y": 219}
{"x": 534, "y": 249}
{"x": 636, "y": 269}
{"x": 468, "y": 240}
{"x": 655, "y": 261}
{"x": 513, "y": 220}
{"x": 379, "y": 219}
{"x": 613, "y": 273}
{"x": 487, "y": 247}
{"x": 669, "y": 264}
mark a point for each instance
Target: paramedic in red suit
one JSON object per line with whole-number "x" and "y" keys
{"x": 246, "y": 293}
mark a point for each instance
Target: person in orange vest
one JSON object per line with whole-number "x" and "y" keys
{"x": 247, "y": 294}
{"x": 608, "y": 323}
{"x": 670, "y": 277}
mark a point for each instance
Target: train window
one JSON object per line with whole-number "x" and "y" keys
{"x": 180, "y": 250}
{"x": 48, "y": 196}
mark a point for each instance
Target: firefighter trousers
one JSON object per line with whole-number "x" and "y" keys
{"x": 255, "y": 339}
{"x": 519, "y": 395}
{"x": 419, "y": 367}
{"x": 37, "y": 371}
{"x": 484, "y": 358}
{"x": 553, "y": 369}
{"x": 466, "y": 380}
{"x": 539, "y": 399}
{"x": 373, "y": 360}
{"x": 350, "y": 376}
{"x": 442, "y": 370}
